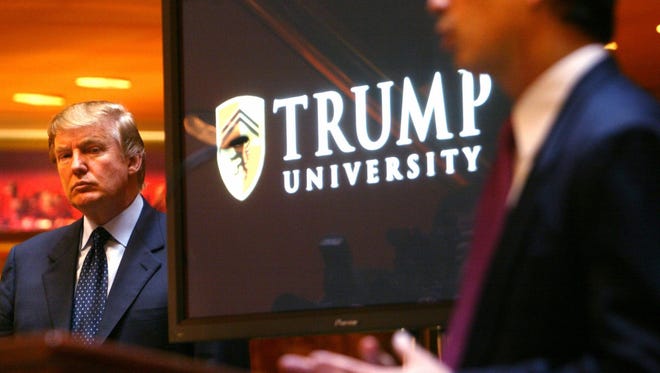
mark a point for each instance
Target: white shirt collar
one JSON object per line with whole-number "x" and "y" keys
{"x": 120, "y": 227}
{"x": 536, "y": 110}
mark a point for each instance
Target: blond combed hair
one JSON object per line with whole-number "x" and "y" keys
{"x": 94, "y": 113}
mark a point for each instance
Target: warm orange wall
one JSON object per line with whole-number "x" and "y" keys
{"x": 5, "y": 246}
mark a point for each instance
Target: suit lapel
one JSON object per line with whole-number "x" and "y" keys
{"x": 560, "y": 138}
{"x": 59, "y": 279}
{"x": 523, "y": 218}
{"x": 137, "y": 266}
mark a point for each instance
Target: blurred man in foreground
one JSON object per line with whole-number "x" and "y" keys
{"x": 564, "y": 271}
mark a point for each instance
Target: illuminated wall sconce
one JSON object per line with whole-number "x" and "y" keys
{"x": 102, "y": 83}
{"x": 611, "y": 46}
{"x": 38, "y": 99}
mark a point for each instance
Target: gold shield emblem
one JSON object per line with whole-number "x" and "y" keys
{"x": 241, "y": 140}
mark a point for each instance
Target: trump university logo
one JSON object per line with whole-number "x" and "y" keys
{"x": 241, "y": 141}
{"x": 366, "y": 142}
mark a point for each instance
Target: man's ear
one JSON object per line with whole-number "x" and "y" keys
{"x": 135, "y": 163}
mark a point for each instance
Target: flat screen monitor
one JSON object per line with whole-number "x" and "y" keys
{"x": 323, "y": 162}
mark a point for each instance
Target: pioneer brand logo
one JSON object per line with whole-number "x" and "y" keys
{"x": 342, "y": 323}
{"x": 240, "y": 129}
{"x": 241, "y": 140}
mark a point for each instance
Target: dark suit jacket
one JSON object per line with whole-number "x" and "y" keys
{"x": 36, "y": 292}
{"x": 575, "y": 281}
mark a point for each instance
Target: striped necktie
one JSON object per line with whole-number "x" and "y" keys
{"x": 91, "y": 290}
{"x": 489, "y": 222}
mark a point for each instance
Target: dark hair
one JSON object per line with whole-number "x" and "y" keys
{"x": 593, "y": 17}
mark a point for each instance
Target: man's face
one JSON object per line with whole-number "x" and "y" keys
{"x": 92, "y": 169}
{"x": 480, "y": 33}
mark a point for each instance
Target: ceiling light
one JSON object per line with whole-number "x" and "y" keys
{"x": 38, "y": 99}
{"x": 612, "y": 46}
{"x": 102, "y": 83}
{"x": 657, "y": 29}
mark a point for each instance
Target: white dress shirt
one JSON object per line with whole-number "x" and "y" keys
{"x": 121, "y": 228}
{"x": 537, "y": 108}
